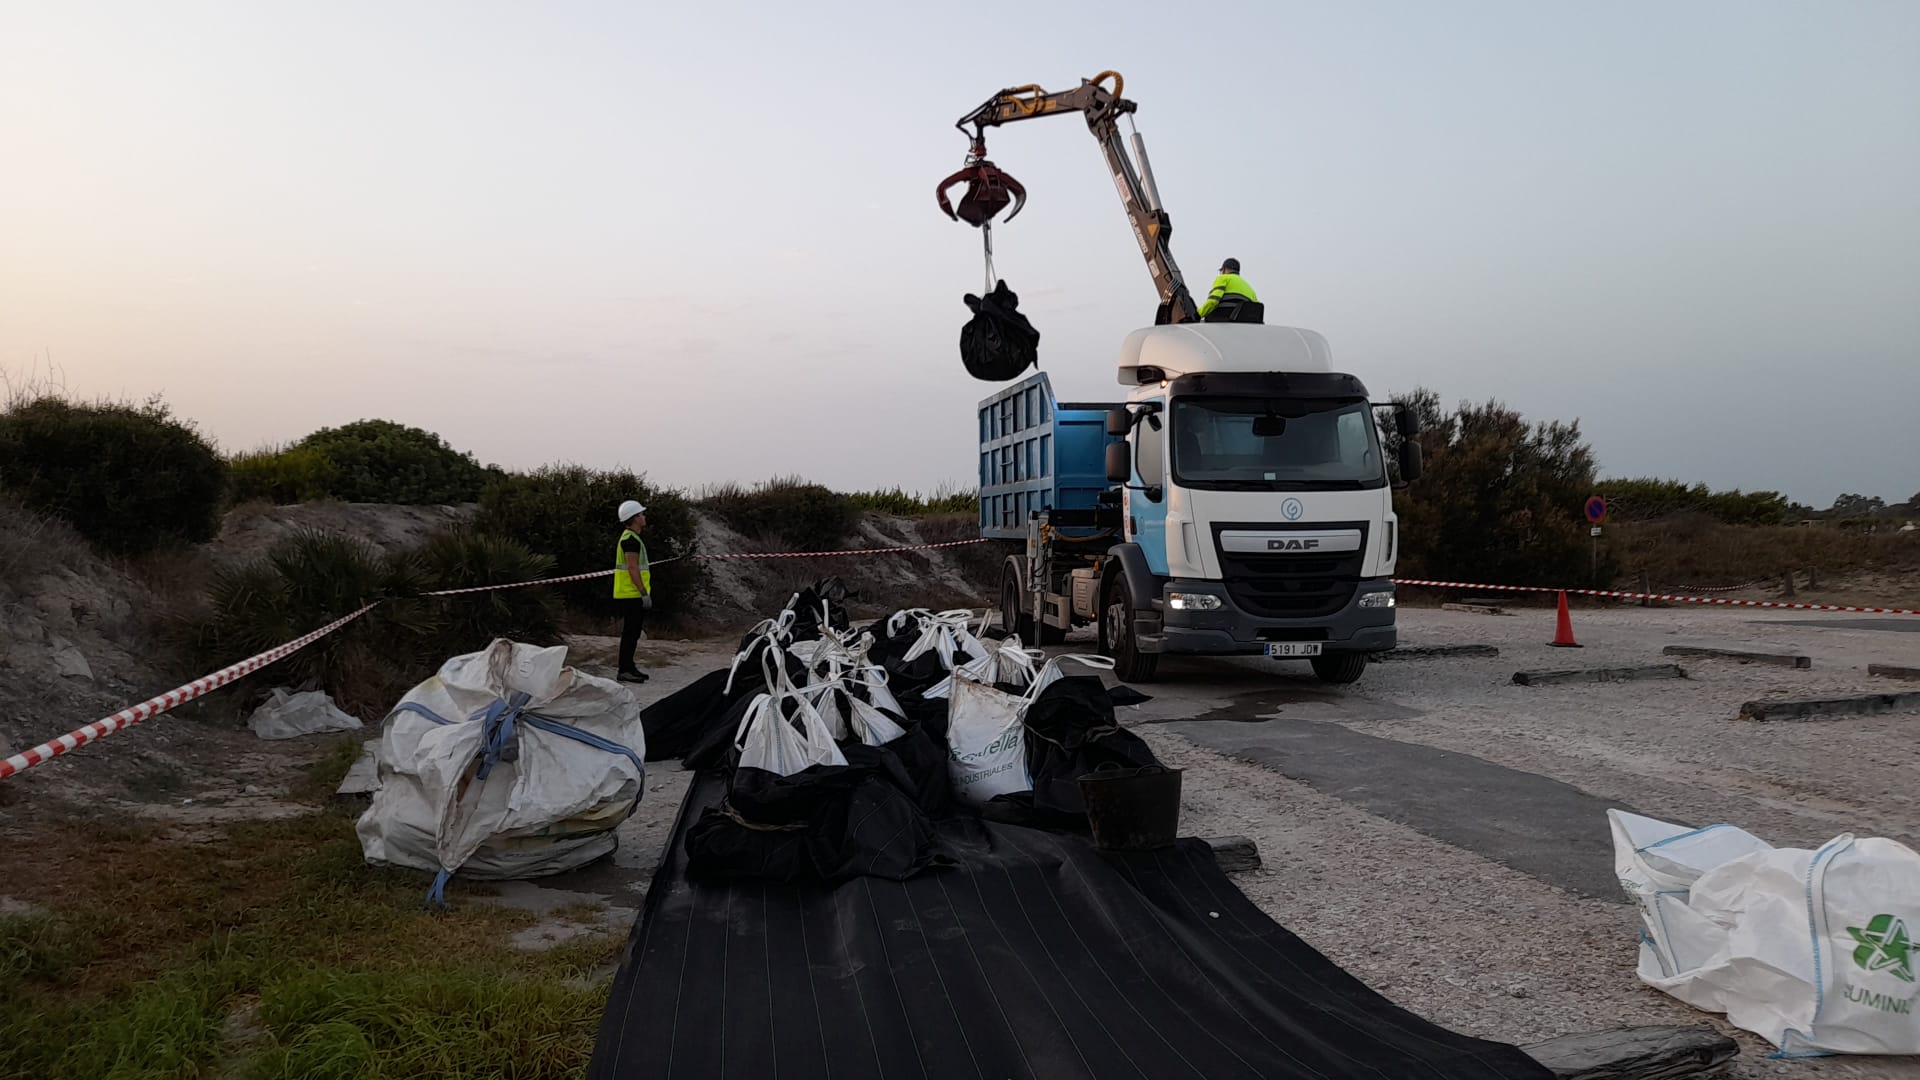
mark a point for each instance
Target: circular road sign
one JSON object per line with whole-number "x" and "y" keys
{"x": 1596, "y": 509}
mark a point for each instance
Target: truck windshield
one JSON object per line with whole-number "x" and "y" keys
{"x": 1274, "y": 444}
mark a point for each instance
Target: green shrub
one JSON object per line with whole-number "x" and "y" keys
{"x": 901, "y": 503}
{"x": 803, "y": 516}
{"x": 313, "y": 578}
{"x": 381, "y": 461}
{"x": 1500, "y": 500}
{"x": 130, "y": 478}
{"x": 295, "y": 475}
{"x": 458, "y": 559}
{"x": 570, "y": 512}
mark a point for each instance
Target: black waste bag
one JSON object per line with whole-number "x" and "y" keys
{"x": 916, "y": 763}
{"x": 998, "y": 343}
{"x": 825, "y": 598}
{"x": 678, "y": 722}
{"x": 700, "y": 727}
{"x": 826, "y": 823}
{"x": 1071, "y": 731}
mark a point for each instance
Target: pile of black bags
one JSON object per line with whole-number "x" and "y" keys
{"x": 835, "y": 741}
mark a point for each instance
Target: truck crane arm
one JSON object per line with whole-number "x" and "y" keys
{"x": 1132, "y": 173}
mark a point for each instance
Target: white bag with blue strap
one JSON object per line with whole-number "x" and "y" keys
{"x": 1813, "y": 950}
{"x": 505, "y": 764}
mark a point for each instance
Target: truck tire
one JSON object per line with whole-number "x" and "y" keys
{"x": 1339, "y": 668}
{"x": 1116, "y": 635}
{"x": 1017, "y": 621}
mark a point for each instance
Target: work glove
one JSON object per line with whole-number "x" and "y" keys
{"x": 646, "y": 602}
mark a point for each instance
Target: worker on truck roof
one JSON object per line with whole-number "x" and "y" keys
{"x": 1231, "y": 298}
{"x": 632, "y": 586}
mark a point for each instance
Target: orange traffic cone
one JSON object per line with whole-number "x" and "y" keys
{"x": 1563, "y": 631}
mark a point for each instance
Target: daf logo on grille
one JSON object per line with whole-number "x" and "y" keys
{"x": 1291, "y": 509}
{"x": 1292, "y": 545}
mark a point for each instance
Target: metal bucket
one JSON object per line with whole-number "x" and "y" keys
{"x": 1132, "y": 809}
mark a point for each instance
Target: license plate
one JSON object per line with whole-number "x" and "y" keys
{"x": 1293, "y": 648}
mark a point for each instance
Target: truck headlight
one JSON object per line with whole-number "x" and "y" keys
{"x": 1377, "y": 600}
{"x": 1193, "y": 601}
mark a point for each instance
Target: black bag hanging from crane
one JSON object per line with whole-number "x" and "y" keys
{"x": 998, "y": 343}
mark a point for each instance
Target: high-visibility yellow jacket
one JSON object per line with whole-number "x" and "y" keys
{"x": 1222, "y": 286}
{"x": 623, "y": 586}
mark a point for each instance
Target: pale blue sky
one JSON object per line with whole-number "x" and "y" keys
{"x": 701, "y": 239}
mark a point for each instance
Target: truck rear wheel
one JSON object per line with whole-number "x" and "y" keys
{"x": 1340, "y": 668}
{"x": 1116, "y": 634}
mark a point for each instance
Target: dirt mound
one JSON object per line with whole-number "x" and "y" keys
{"x": 742, "y": 589}
{"x": 249, "y": 531}
{"x": 81, "y": 638}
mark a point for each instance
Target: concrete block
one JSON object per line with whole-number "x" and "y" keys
{"x": 1598, "y": 675}
{"x": 1824, "y": 708}
{"x": 1742, "y": 655}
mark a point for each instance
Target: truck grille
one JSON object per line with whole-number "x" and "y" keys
{"x": 1292, "y": 586}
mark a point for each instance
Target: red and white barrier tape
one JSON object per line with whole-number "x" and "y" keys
{"x": 1677, "y": 598}
{"x": 206, "y": 684}
{"x": 853, "y": 551}
{"x": 523, "y": 584}
{"x": 172, "y": 699}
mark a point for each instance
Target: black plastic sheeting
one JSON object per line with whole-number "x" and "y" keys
{"x": 1037, "y": 957}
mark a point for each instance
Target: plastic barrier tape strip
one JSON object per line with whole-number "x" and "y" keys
{"x": 1672, "y": 597}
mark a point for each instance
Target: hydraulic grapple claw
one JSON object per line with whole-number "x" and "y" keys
{"x": 989, "y": 191}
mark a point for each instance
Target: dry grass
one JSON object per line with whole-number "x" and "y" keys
{"x": 155, "y": 947}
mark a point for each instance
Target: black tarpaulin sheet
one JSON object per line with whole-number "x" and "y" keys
{"x": 1041, "y": 958}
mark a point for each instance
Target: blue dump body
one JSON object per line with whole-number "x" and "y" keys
{"x": 1039, "y": 454}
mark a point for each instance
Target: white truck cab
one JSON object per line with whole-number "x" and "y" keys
{"x": 1251, "y": 512}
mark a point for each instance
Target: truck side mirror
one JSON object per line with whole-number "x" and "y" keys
{"x": 1410, "y": 461}
{"x": 1119, "y": 421}
{"x": 1119, "y": 463}
{"x": 1407, "y": 421}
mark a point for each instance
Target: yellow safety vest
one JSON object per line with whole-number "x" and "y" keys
{"x": 1222, "y": 285}
{"x": 623, "y": 586}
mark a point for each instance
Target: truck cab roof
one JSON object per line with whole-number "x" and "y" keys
{"x": 1155, "y": 353}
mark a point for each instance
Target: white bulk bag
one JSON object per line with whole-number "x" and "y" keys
{"x": 1006, "y": 663}
{"x": 1815, "y": 951}
{"x": 947, "y": 635}
{"x": 986, "y": 755}
{"x": 986, "y": 733}
{"x": 549, "y": 802}
{"x": 768, "y": 740}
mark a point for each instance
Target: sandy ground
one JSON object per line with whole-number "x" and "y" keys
{"x": 1457, "y": 934}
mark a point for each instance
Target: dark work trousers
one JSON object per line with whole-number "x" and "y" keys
{"x": 633, "y": 614}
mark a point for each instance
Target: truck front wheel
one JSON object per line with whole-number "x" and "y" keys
{"x": 1340, "y": 668}
{"x": 1116, "y": 635}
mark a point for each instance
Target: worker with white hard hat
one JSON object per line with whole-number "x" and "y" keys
{"x": 632, "y": 586}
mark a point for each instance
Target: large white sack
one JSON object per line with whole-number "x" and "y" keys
{"x": 1812, "y": 950}
{"x": 549, "y": 804}
{"x": 986, "y": 747}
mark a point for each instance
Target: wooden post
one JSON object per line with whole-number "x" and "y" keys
{"x": 1788, "y": 582}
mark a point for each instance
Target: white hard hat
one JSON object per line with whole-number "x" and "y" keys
{"x": 629, "y": 509}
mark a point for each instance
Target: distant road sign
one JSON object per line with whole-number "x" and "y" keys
{"x": 1596, "y": 509}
